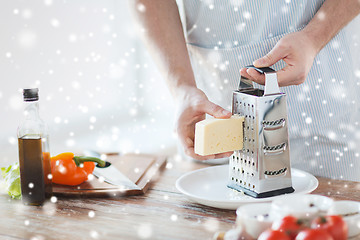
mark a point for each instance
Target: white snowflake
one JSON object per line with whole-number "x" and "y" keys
{"x": 55, "y": 22}
{"x": 141, "y": 7}
{"x": 211, "y": 224}
{"x": 357, "y": 73}
{"x": 12, "y": 140}
{"x": 70, "y": 143}
{"x": 145, "y": 231}
{"x": 73, "y": 38}
{"x": 94, "y": 234}
{"x": 92, "y": 119}
{"x": 91, "y": 214}
{"x": 57, "y": 120}
{"x": 27, "y": 38}
{"x": 26, "y": 13}
{"x": 174, "y": 217}
{"x": 48, "y": 2}
{"x": 247, "y": 15}
{"x": 321, "y": 15}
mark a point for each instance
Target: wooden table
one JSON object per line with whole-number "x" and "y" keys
{"x": 162, "y": 213}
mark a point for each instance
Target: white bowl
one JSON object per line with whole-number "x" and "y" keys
{"x": 305, "y": 206}
{"x": 254, "y": 218}
{"x": 350, "y": 211}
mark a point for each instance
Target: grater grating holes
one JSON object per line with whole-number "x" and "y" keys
{"x": 275, "y": 172}
{"x": 276, "y": 147}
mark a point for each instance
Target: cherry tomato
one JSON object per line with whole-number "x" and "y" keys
{"x": 335, "y": 225}
{"x": 314, "y": 234}
{"x": 290, "y": 225}
{"x": 273, "y": 235}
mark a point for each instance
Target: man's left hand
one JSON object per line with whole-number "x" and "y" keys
{"x": 296, "y": 50}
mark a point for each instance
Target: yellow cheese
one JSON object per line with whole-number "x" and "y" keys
{"x": 219, "y": 135}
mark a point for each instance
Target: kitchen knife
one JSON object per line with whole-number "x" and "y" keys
{"x": 111, "y": 174}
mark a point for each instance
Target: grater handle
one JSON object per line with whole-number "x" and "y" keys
{"x": 271, "y": 83}
{"x": 246, "y": 83}
{"x": 262, "y": 70}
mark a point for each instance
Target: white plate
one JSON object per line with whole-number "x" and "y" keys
{"x": 207, "y": 186}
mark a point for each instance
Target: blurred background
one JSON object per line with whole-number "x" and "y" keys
{"x": 99, "y": 89}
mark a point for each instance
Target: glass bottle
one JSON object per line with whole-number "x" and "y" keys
{"x": 34, "y": 156}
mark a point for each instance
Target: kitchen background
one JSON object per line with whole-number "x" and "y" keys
{"x": 99, "y": 88}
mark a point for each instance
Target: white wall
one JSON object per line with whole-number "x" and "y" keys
{"x": 98, "y": 87}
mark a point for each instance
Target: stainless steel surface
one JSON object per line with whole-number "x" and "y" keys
{"x": 271, "y": 86}
{"x": 263, "y": 165}
{"x": 245, "y": 83}
{"x": 111, "y": 174}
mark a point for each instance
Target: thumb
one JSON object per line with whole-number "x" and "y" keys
{"x": 215, "y": 110}
{"x": 275, "y": 55}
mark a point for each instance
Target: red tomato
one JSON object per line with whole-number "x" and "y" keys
{"x": 314, "y": 234}
{"x": 273, "y": 235}
{"x": 334, "y": 225}
{"x": 290, "y": 225}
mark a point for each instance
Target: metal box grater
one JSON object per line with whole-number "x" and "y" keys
{"x": 262, "y": 167}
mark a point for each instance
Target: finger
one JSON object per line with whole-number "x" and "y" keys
{"x": 256, "y": 76}
{"x": 215, "y": 110}
{"x": 215, "y": 156}
{"x": 290, "y": 75}
{"x": 243, "y": 72}
{"x": 190, "y": 152}
{"x": 189, "y": 142}
{"x": 223, "y": 155}
{"x": 276, "y": 54}
{"x": 283, "y": 76}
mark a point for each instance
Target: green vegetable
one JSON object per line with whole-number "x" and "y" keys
{"x": 11, "y": 176}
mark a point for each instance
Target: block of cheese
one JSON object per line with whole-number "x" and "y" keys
{"x": 218, "y": 135}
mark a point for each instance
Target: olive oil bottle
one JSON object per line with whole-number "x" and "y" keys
{"x": 34, "y": 156}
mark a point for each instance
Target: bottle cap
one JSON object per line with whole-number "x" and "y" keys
{"x": 31, "y": 94}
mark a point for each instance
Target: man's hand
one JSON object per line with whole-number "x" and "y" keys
{"x": 297, "y": 51}
{"x": 192, "y": 107}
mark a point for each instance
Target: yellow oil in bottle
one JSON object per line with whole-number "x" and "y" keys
{"x": 31, "y": 171}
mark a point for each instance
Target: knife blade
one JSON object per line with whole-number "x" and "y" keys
{"x": 111, "y": 174}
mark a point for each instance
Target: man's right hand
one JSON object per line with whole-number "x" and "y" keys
{"x": 163, "y": 33}
{"x": 192, "y": 106}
